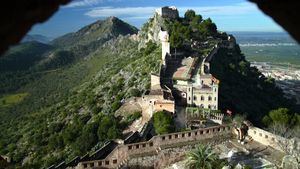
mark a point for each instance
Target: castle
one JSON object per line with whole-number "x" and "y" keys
{"x": 190, "y": 79}
{"x": 168, "y": 12}
{"x": 189, "y": 76}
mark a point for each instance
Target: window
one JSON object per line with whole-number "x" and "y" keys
{"x": 163, "y": 138}
{"x": 92, "y": 165}
{"x": 189, "y": 98}
{"x": 202, "y": 98}
{"x": 182, "y": 135}
{"x": 201, "y": 132}
{"x": 189, "y": 134}
{"x": 215, "y": 98}
{"x": 151, "y": 144}
{"x": 84, "y": 165}
{"x": 209, "y": 98}
{"x": 100, "y": 163}
{"x": 170, "y": 136}
{"x": 176, "y": 135}
{"x": 106, "y": 162}
{"x": 115, "y": 161}
{"x": 129, "y": 147}
{"x": 209, "y": 106}
{"x": 144, "y": 145}
{"x": 137, "y": 146}
{"x": 195, "y": 98}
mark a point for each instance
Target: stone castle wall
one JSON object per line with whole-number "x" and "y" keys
{"x": 272, "y": 140}
{"x": 122, "y": 153}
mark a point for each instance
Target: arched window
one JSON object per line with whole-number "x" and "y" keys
{"x": 195, "y": 98}
{"x": 209, "y": 106}
{"x": 209, "y": 98}
{"x": 202, "y": 98}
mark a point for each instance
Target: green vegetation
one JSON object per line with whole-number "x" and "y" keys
{"x": 10, "y": 100}
{"x": 203, "y": 157}
{"x": 163, "y": 122}
{"x": 192, "y": 26}
{"x": 132, "y": 117}
{"x": 283, "y": 122}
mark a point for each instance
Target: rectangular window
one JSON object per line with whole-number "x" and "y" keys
{"x": 151, "y": 144}
{"x": 115, "y": 161}
{"x": 129, "y": 147}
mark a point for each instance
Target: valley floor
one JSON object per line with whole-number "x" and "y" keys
{"x": 287, "y": 77}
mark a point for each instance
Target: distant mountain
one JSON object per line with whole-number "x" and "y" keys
{"x": 98, "y": 32}
{"x": 23, "y": 56}
{"x": 36, "y": 37}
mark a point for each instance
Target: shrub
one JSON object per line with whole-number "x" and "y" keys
{"x": 163, "y": 122}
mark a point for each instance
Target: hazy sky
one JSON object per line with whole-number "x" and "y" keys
{"x": 229, "y": 15}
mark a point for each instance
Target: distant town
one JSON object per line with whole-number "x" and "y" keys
{"x": 287, "y": 77}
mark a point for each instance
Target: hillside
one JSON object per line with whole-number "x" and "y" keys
{"x": 49, "y": 117}
{"x": 65, "y": 106}
{"x": 23, "y": 56}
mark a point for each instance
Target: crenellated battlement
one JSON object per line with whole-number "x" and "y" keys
{"x": 124, "y": 152}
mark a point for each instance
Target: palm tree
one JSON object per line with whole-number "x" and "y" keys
{"x": 202, "y": 158}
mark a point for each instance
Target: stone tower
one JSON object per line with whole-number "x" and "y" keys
{"x": 215, "y": 88}
{"x": 164, "y": 38}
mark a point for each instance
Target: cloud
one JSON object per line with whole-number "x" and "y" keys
{"x": 146, "y": 12}
{"x": 89, "y": 3}
{"x": 235, "y": 9}
{"x": 128, "y": 12}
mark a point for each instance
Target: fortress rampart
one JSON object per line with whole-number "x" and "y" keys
{"x": 122, "y": 153}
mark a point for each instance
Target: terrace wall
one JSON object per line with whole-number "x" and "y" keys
{"x": 122, "y": 153}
